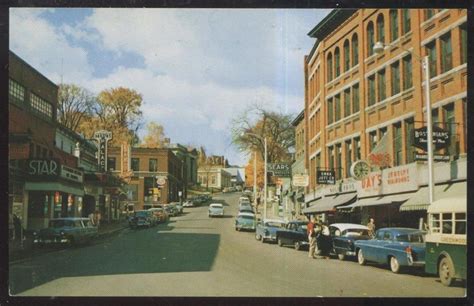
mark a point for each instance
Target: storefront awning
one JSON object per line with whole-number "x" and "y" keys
{"x": 384, "y": 200}
{"x": 329, "y": 203}
{"x": 53, "y": 186}
{"x": 419, "y": 201}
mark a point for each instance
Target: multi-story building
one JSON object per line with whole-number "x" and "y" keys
{"x": 212, "y": 173}
{"x": 298, "y": 167}
{"x": 360, "y": 105}
{"x": 153, "y": 175}
{"x": 188, "y": 156}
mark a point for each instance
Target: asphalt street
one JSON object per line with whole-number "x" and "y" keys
{"x": 194, "y": 255}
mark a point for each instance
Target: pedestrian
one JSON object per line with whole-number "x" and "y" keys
{"x": 11, "y": 227}
{"x": 312, "y": 231}
{"x": 371, "y": 227}
{"x": 91, "y": 217}
{"x": 324, "y": 241}
{"x": 17, "y": 226}
{"x": 97, "y": 218}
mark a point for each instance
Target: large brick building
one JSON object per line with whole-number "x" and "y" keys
{"x": 360, "y": 105}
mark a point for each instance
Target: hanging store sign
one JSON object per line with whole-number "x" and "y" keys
{"x": 71, "y": 174}
{"x": 43, "y": 168}
{"x": 300, "y": 180}
{"x": 436, "y": 157}
{"x": 326, "y": 177}
{"x": 440, "y": 138}
{"x": 102, "y": 138}
{"x": 280, "y": 169}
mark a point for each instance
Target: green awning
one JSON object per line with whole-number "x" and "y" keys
{"x": 419, "y": 201}
{"x": 329, "y": 203}
{"x": 53, "y": 186}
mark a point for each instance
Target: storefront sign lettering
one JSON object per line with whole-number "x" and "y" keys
{"x": 43, "y": 168}
{"x": 398, "y": 176}
{"x": 372, "y": 181}
{"x": 440, "y": 138}
{"x": 327, "y": 177}
{"x": 72, "y": 174}
{"x": 102, "y": 138}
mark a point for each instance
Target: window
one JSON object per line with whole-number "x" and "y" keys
{"x": 380, "y": 29}
{"x": 135, "y": 164}
{"x": 357, "y": 148}
{"x": 429, "y": 13}
{"x": 318, "y": 161}
{"x": 348, "y": 149}
{"x": 331, "y": 157}
{"x": 152, "y": 165}
{"x": 393, "y": 25}
{"x": 347, "y": 102}
{"x": 111, "y": 166}
{"x": 406, "y": 25}
{"x": 397, "y": 144}
{"x": 407, "y": 73}
{"x": 347, "y": 59}
{"x": 431, "y": 52}
{"x": 337, "y": 62}
{"x": 370, "y": 39}
{"x": 330, "y": 111}
{"x": 395, "y": 70}
{"x": 16, "y": 90}
{"x": 463, "y": 30}
{"x": 372, "y": 140}
{"x": 338, "y": 161}
{"x": 460, "y": 224}
{"x": 40, "y": 105}
{"x": 329, "y": 67}
{"x": 451, "y": 127}
{"x": 371, "y": 91}
{"x": 409, "y": 134}
{"x": 447, "y": 223}
{"x": 435, "y": 223}
{"x": 446, "y": 53}
{"x": 381, "y": 85}
{"x": 337, "y": 111}
{"x": 213, "y": 180}
{"x": 355, "y": 50}
{"x": 355, "y": 98}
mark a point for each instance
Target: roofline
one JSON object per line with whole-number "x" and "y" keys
{"x": 34, "y": 69}
{"x": 298, "y": 118}
{"x": 330, "y": 22}
{"x": 315, "y": 46}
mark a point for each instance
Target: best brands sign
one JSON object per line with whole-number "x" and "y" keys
{"x": 102, "y": 138}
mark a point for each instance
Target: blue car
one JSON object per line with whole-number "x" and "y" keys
{"x": 245, "y": 221}
{"x": 397, "y": 247}
{"x": 266, "y": 229}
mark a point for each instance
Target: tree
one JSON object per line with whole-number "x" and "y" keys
{"x": 155, "y": 136}
{"x": 74, "y": 103}
{"x": 249, "y": 172}
{"x": 276, "y": 127}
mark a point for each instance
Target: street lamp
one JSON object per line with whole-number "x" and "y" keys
{"x": 265, "y": 171}
{"x": 379, "y": 47}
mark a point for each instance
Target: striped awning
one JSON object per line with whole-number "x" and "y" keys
{"x": 329, "y": 203}
{"x": 374, "y": 201}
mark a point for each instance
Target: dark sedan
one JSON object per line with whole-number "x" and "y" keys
{"x": 294, "y": 234}
{"x": 343, "y": 237}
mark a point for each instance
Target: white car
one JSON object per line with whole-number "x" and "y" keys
{"x": 216, "y": 209}
{"x": 188, "y": 203}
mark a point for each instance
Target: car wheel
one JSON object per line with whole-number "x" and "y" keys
{"x": 446, "y": 271}
{"x": 263, "y": 240}
{"x": 297, "y": 245}
{"x": 361, "y": 258}
{"x": 394, "y": 264}
{"x": 258, "y": 237}
{"x": 341, "y": 256}
{"x": 280, "y": 242}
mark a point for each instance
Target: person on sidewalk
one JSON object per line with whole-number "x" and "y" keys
{"x": 312, "y": 230}
{"x": 17, "y": 226}
{"x": 371, "y": 227}
{"x": 11, "y": 227}
{"x": 324, "y": 241}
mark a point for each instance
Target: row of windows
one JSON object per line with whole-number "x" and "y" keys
{"x": 352, "y": 152}
{"x": 448, "y": 223}
{"x": 395, "y": 27}
{"x": 351, "y": 104}
{"x": 134, "y": 164}
{"x": 351, "y": 59}
{"x": 37, "y": 151}
{"x": 37, "y": 103}
{"x": 16, "y": 90}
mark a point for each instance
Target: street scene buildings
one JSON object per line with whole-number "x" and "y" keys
{"x": 379, "y": 134}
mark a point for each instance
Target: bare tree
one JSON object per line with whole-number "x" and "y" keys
{"x": 74, "y": 104}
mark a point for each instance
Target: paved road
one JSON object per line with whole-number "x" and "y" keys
{"x": 197, "y": 256}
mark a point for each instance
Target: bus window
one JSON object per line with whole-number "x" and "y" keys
{"x": 447, "y": 224}
{"x": 460, "y": 224}
{"x": 435, "y": 225}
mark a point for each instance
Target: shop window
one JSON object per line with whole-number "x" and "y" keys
{"x": 431, "y": 52}
{"x": 393, "y": 24}
{"x": 347, "y": 102}
{"x": 152, "y": 165}
{"x": 355, "y": 98}
{"x": 397, "y": 144}
{"x": 370, "y": 39}
{"x": 395, "y": 75}
{"x": 371, "y": 91}
{"x": 406, "y": 21}
{"x": 329, "y": 67}
{"x": 347, "y": 62}
{"x": 446, "y": 53}
{"x": 407, "y": 73}
{"x": 380, "y": 29}
{"x": 463, "y": 30}
{"x": 355, "y": 50}
{"x": 337, "y": 62}
{"x": 381, "y": 85}
{"x": 135, "y": 164}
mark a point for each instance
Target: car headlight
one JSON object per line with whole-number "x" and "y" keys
{"x": 62, "y": 233}
{"x": 35, "y": 233}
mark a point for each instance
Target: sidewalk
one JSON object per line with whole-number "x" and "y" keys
{"x": 18, "y": 252}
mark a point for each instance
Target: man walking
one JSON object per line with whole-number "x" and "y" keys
{"x": 312, "y": 230}
{"x": 371, "y": 227}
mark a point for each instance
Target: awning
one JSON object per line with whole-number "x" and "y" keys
{"x": 53, "y": 186}
{"x": 328, "y": 203}
{"x": 419, "y": 201}
{"x": 384, "y": 200}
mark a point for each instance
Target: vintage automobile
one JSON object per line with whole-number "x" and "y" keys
{"x": 266, "y": 229}
{"x": 141, "y": 218}
{"x": 245, "y": 221}
{"x": 188, "y": 203}
{"x": 343, "y": 237}
{"x": 295, "y": 234}
{"x": 178, "y": 206}
{"x": 243, "y": 200}
{"x": 160, "y": 214}
{"x": 67, "y": 231}
{"x": 216, "y": 209}
{"x": 399, "y": 247}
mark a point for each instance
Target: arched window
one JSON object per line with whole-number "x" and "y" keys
{"x": 380, "y": 29}
{"x": 329, "y": 67}
{"x": 355, "y": 50}
{"x": 347, "y": 61}
{"x": 337, "y": 62}
{"x": 393, "y": 25}
{"x": 370, "y": 39}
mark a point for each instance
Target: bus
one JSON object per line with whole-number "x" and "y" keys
{"x": 446, "y": 239}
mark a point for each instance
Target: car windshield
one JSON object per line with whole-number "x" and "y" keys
{"x": 302, "y": 227}
{"x": 216, "y": 206}
{"x": 355, "y": 232}
{"x": 61, "y": 223}
{"x": 418, "y": 237}
{"x": 246, "y": 217}
{"x": 274, "y": 224}
{"x": 141, "y": 214}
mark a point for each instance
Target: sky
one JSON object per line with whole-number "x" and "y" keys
{"x": 197, "y": 69}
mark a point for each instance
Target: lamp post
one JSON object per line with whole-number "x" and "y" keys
{"x": 255, "y": 178}
{"x": 379, "y": 47}
{"x": 265, "y": 171}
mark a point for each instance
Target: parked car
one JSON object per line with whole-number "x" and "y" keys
{"x": 66, "y": 231}
{"x": 188, "y": 203}
{"x": 171, "y": 209}
{"x": 398, "y": 247}
{"x": 266, "y": 229}
{"x": 141, "y": 218}
{"x": 225, "y": 190}
{"x": 178, "y": 207}
{"x": 245, "y": 221}
{"x": 295, "y": 234}
{"x": 216, "y": 209}
{"x": 160, "y": 214}
{"x": 244, "y": 199}
{"x": 343, "y": 237}
{"x": 246, "y": 209}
